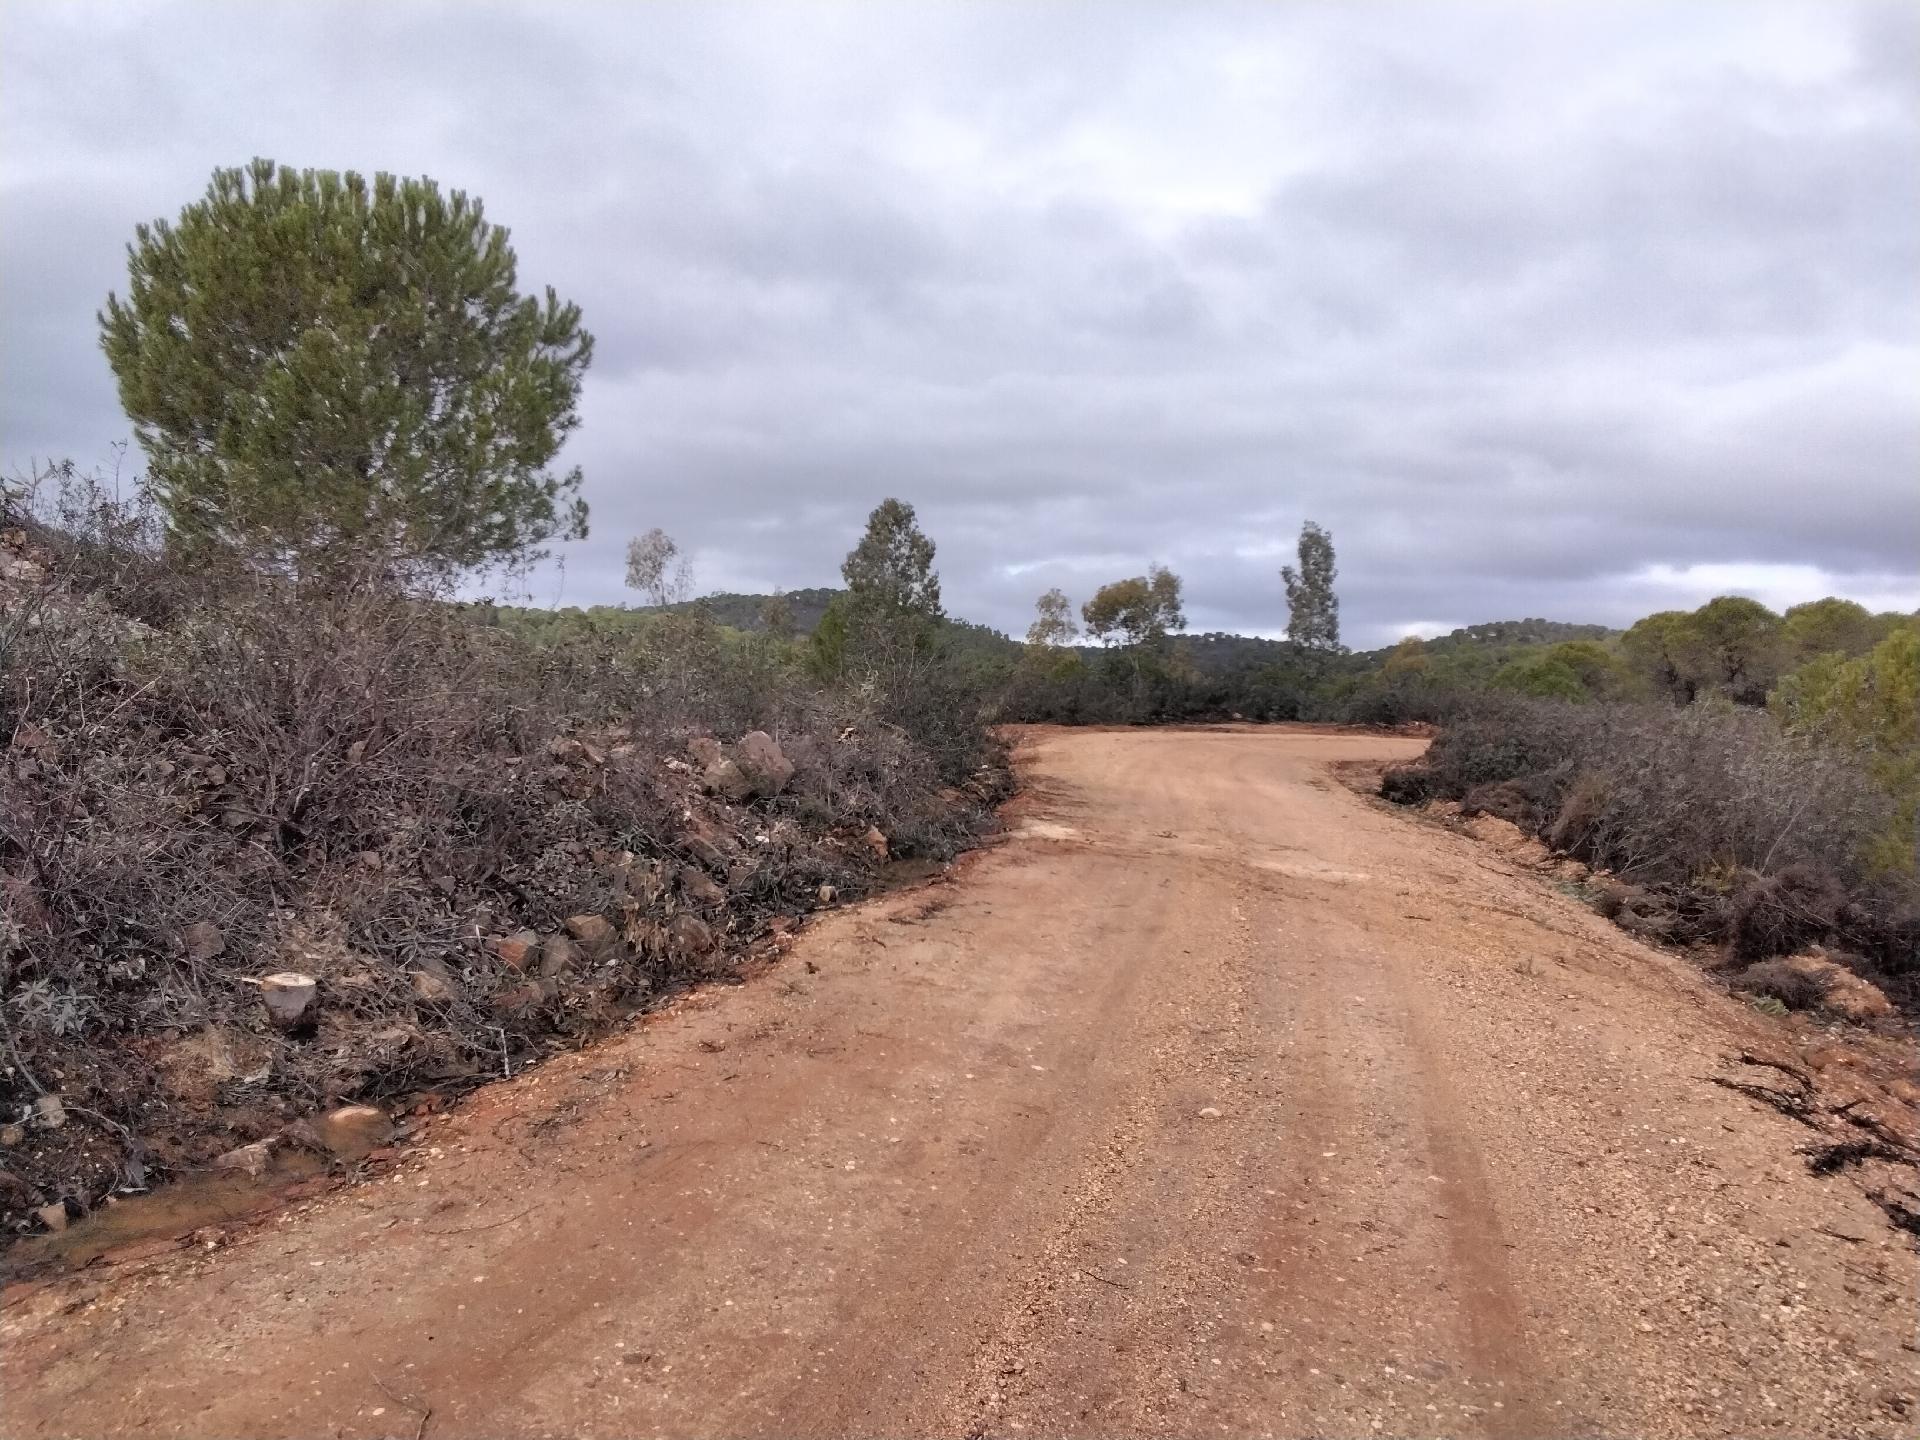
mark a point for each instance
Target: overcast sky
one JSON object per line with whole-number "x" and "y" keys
{"x": 1578, "y": 312}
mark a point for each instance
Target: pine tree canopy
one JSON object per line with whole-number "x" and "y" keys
{"x": 326, "y": 369}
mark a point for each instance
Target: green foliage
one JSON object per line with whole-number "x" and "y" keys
{"x": 1732, "y": 645}
{"x": 1821, "y": 627}
{"x": 1656, "y": 652}
{"x": 890, "y": 572}
{"x": 1575, "y": 670}
{"x": 776, "y": 617}
{"x": 323, "y": 369}
{"x": 1053, "y": 622}
{"x": 885, "y": 629}
{"x": 1543, "y": 676}
{"x": 1137, "y": 611}
{"x": 749, "y": 612}
{"x": 1313, "y": 610}
{"x": 827, "y": 646}
{"x": 1871, "y": 705}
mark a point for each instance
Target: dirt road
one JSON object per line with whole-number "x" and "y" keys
{"x": 1216, "y": 1100}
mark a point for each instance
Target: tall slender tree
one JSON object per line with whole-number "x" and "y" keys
{"x": 1313, "y": 610}
{"x": 1053, "y": 622}
{"x": 887, "y": 623}
{"x": 657, "y": 569}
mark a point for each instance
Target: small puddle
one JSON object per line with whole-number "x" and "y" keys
{"x": 1046, "y": 830}
{"x": 171, "y": 1212}
{"x": 141, "y": 1224}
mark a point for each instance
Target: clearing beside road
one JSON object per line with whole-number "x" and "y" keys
{"x": 1215, "y": 1100}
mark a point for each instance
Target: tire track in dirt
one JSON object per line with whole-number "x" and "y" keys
{"x": 1213, "y": 1101}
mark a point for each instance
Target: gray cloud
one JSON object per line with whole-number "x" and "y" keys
{"x": 1542, "y": 310}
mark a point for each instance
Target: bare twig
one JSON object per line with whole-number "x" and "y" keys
{"x": 494, "y": 1225}
{"x": 421, "y": 1409}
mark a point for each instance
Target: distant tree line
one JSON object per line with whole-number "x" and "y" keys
{"x": 338, "y": 382}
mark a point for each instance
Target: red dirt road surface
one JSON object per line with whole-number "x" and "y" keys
{"x": 1215, "y": 1100}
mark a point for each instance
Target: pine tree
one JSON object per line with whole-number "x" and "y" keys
{"x": 325, "y": 370}
{"x": 886, "y": 627}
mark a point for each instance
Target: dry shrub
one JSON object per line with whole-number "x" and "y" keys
{"x": 1581, "y": 811}
{"x": 1409, "y": 785}
{"x": 1781, "y": 913}
{"x": 1671, "y": 793}
{"x": 378, "y": 789}
{"x": 1521, "y": 801}
{"x": 1610, "y": 897}
{"x": 1741, "y": 831}
{"x": 1796, "y": 987}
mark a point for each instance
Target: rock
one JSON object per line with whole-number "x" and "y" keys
{"x": 350, "y": 1131}
{"x": 705, "y": 750}
{"x": 690, "y": 935}
{"x": 877, "y": 843}
{"x": 11, "y": 1135}
{"x": 828, "y": 894}
{"x": 595, "y": 932}
{"x": 49, "y": 1113}
{"x": 765, "y": 764}
{"x": 53, "y": 1216}
{"x": 558, "y": 955}
{"x": 432, "y": 988}
{"x": 203, "y": 940}
{"x": 1210, "y": 1112}
{"x": 515, "y": 951}
{"x": 727, "y": 780}
{"x": 704, "y": 849}
{"x": 288, "y": 996}
{"x": 252, "y": 1159}
{"x": 520, "y": 997}
{"x": 699, "y": 887}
